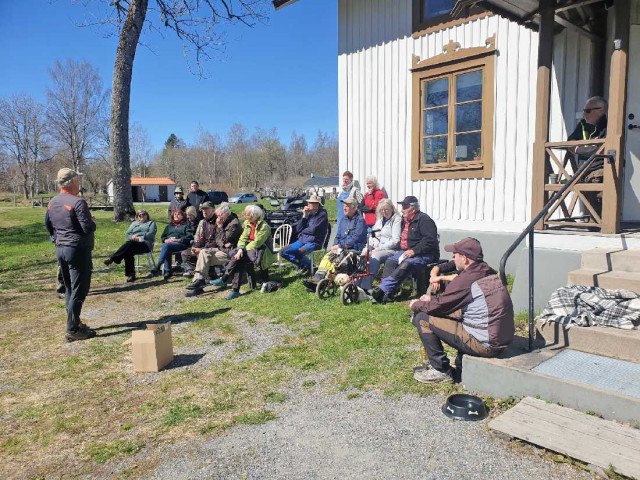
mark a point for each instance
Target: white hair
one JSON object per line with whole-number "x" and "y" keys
{"x": 385, "y": 202}
{"x": 223, "y": 209}
{"x": 254, "y": 212}
{"x": 373, "y": 180}
{"x": 599, "y": 100}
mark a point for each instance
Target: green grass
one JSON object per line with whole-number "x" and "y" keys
{"x": 103, "y": 452}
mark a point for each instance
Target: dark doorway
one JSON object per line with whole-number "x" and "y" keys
{"x": 164, "y": 197}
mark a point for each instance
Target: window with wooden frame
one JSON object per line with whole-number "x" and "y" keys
{"x": 430, "y": 15}
{"x": 453, "y": 97}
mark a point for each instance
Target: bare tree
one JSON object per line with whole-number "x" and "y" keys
{"x": 141, "y": 149}
{"x": 23, "y": 137}
{"x": 209, "y": 152}
{"x": 297, "y": 160}
{"x": 75, "y": 109}
{"x": 197, "y": 23}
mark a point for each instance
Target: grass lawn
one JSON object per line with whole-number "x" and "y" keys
{"x": 77, "y": 409}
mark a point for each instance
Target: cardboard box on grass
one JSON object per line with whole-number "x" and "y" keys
{"x": 152, "y": 348}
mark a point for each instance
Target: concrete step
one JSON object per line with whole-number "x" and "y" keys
{"x": 606, "y": 341}
{"x": 512, "y": 374}
{"x": 585, "y": 276}
{"x": 626, "y": 261}
{"x": 597, "y": 259}
{"x": 620, "y": 280}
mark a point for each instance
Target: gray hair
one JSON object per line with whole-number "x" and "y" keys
{"x": 192, "y": 210}
{"x": 385, "y": 202}
{"x": 373, "y": 180}
{"x": 223, "y": 210}
{"x": 254, "y": 212}
{"x": 599, "y": 100}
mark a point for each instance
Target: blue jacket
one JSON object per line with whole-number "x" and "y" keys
{"x": 352, "y": 232}
{"x": 313, "y": 228}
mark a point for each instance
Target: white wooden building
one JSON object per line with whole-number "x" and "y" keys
{"x": 535, "y": 62}
{"x": 148, "y": 189}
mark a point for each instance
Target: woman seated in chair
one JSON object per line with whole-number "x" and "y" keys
{"x": 140, "y": 237}
{"x": 176, "y": 237}
{"x": 384, "y": 240}
{"x": 253, "y": 251}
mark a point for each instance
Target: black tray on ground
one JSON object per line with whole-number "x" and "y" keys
{"x": 462, "y": 406}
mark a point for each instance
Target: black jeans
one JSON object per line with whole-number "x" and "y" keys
{"x": 235, "y": 269}
{"x": 126, "y": 252}
{"x": 75, "y": 263}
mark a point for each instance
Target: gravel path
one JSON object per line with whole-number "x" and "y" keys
{"x": 327, "y": 436}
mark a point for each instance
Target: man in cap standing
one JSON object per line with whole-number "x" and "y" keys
{"x": 473, "y": 315}
{"x": 418, "y": 248}
{"x": 178, "y": 202}
{"x": 312, "y": 231}
{"x": 74, "y": 227}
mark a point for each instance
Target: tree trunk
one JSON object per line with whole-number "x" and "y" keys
{"x": 119, "y": 126}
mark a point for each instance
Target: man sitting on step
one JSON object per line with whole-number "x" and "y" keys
{"x": 473, "y": 315}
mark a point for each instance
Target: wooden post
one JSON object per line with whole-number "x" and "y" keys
{"x": 613, "y": 178}
{"x": 543, "y": 89}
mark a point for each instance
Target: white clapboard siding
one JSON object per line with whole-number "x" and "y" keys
{"x": 375, "y": 108}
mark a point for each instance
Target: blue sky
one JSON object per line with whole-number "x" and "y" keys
{"x": 282, "y": 74}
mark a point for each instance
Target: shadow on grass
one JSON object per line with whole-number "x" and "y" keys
{"x": 175, "y": 319}
{"x": 184, "y": 360}
{"x": 129, "y": 287}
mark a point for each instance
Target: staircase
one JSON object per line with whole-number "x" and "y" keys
{"x": 585, "y": 368}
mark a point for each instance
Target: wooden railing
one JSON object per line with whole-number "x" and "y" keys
{"x": 588, "y": 192}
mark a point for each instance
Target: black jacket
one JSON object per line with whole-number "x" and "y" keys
{"x": 195, "y": 199}
{"x": 70, "y": 220}
{"x": 423, "y": 235}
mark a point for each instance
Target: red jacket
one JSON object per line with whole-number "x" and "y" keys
{"x": 371, "y": 200}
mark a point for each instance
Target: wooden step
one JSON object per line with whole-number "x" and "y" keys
{"x": 584, "y": 437}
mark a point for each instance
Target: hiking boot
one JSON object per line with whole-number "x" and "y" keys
{"x": 194, "y": 292}
{"x": 83, "y": 326}
{"x": 166, "y": 276}
{"x": 217, "y": 282}
{"x": 108, "y": 261}
{"x": 80, "y": 335}
{"x": 197, "y": 285}
{"x": 131, "y": 278}
{"x": 432, "y": 375}
{"x": 231, "y": 295}
{"x": 378, "y": 295}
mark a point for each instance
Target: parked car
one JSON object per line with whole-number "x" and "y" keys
{"x": 217, "y": 196}
{"x": 243, "y": 198}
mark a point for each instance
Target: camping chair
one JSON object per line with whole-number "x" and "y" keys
{"x": 312, "y": 253}
{"x": 151, "y": 261}
{"x": 281, "y": 239}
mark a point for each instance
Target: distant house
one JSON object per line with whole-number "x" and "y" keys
{"x": 323, "y": 186}
{"x": 148, "y": 189}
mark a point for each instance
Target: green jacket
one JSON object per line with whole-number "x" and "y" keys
{"x": 182, "y": 232}
{"x": 262, "y": 238}
{"x": 147, "y": 230}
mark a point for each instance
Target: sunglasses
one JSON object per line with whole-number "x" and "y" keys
{"x": 589, "y": 110}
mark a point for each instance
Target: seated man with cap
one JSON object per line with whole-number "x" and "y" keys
{"x": 312, "y": 230}
{"x": 473, "y": 315}
{"x": 418, "y": 248}
{"x": 351, "y": 234}
{"x": 222, "y": 230}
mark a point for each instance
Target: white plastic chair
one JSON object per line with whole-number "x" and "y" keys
{"x": 151, "y": 261}
{"x": 281, "y": 239}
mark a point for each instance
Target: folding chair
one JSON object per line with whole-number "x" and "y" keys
{"x": 151, "y": 261}
{"x": 281, "y": 239}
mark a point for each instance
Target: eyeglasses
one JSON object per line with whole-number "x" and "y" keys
{"x": 589, "y": 110}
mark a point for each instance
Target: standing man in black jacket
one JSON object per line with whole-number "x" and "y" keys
{"x": 419, "y": 247}
{"x": 74, "y": 227}
{"x": 196, "y": 197}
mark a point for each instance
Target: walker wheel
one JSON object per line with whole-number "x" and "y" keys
{"x": 325, "y": 290}
{"x": 349, "y": 294}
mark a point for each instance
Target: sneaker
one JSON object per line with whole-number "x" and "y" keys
{"x": 217, "y": 282}
{"x": 83, "y": 326}
{"x": 378, "y": 295}
{"x": 194, "y": 292}
{"x": 432, "y": 375}
{"x": 231, "y": 295}
{"x": 108, "y": 261}
{"x": 197, "y": 285}
{"x": 188, "y": 274}
{"x": 131, "y": 278}
{"x": 302, "y": 271}
{"x": 60, "y": 295}
{"x": 80, "y": 335}
{"x": 166, "y": 276}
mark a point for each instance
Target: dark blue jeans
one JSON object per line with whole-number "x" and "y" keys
{"x": 409, "y": 266}
{"x": 297, "y": 252}
{"x": 75, "y": 265}
{"x": 167, "y": 250}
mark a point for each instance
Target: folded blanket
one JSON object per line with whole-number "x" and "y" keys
{"x": 586, "y": 306}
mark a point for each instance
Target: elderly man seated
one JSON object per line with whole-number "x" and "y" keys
{"x": 312, "y": 230}
{"x": 351, "y": 234}
{"x": 418, "y": 248}
{"x": 218, "y": 234}
{"x": 473, "y": 315}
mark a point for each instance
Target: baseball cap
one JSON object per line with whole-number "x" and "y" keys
{"x": 409, "y": 201}
{"x": 350, "y": 201}
{"x": 314, "y": 199}
{"x": 469, "y": 247}
{"x": 178, "y": 190}
{"x": 66, "y": 174}
{"x": 207, "y": 204}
